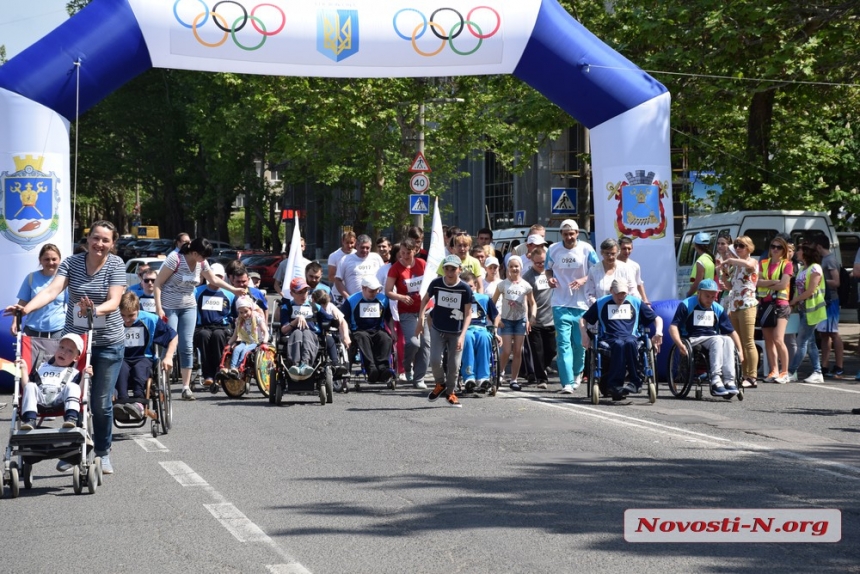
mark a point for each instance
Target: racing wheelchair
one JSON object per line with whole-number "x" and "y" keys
{"x": 694, "y": 370}
{"x": 646, "y": 366}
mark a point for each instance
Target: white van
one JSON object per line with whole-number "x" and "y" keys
{"x": 760, "y": 226}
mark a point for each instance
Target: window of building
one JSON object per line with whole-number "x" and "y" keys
{"x": 498, "y": 192}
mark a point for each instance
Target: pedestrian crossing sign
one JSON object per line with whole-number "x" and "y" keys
{"x": 419, "y": 164}
{"x": 563, "y": 201}
{"x": 419, "y": 204}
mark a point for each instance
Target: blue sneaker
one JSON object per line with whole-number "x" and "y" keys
{"x": 107, "y": 467}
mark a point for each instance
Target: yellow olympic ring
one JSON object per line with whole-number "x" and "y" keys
{"x": 199, "y": 39}
{"x": 415, "y": 35}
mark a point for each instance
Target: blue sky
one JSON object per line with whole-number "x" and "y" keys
{"x": 23, "y": 22}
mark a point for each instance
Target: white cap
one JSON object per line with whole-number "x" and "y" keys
{"x": 618, "y": 286}
{"x": 491, "y": 261}
{"x": 569, "y": 223}
{"x": 536, "y": 240}
{"x": 218, "y": 269}
{"x": 371, "y": 282}
{"x": 76, "y": 341}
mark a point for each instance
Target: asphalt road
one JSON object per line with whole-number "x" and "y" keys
{"x": 384, "y": 481}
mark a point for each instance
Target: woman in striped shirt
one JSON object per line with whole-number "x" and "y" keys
{"x": 177, "y": 279}
{"x": 95, "y": 280}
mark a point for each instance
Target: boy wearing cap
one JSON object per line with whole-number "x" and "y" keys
{"x": 619, "y": 316}
{"x": 300, "y": 319}
{"x": 703, "y": 268}
{"x": 53, "y": 383}
{"x": 142, "y": 330}
{"x": 251, "y": 331}
{"x": 461, "y": 245}
{"x": 568, "y": 263}
{"x": 704, "y": 322}
{"x": 368, "y": 314}
{"x": 451, "y": 315}
{"x": 214, "y": 324}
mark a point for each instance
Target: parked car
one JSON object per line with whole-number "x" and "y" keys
{"x": 135, "y": 249}
{"x": 132, "y": 265}
{"x": 158, "y": 247}
{"x": 849, "y": 244}
{"x": 265, "y": 265}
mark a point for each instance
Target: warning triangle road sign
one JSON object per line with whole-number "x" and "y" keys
{"x": 419, "y": 164}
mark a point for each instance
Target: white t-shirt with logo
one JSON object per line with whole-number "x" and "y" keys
{"x": 352, "y": 269}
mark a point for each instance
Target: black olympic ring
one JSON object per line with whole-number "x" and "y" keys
{"x": 450, "y": 36}
{"x": 221, "y": 26}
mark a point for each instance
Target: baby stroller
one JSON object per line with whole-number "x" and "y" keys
{"x": 73, "y": 445}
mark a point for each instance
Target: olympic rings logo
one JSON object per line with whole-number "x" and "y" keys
{"x": 230, "y": 30}
{"x": 447, "y": 37}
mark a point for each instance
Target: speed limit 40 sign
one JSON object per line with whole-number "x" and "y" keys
{"x": 419, "y": 183}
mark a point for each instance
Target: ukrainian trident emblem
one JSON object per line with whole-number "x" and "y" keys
{"x": 29, "y": 203}
{"x": 337, "y": 33}
{"x": 640, "y": 211}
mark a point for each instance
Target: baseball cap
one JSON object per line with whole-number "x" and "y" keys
{"x": 569, "y": 223}
{"x": 76, "y": 341}
{"x": 253, "y": 275}
{"x": 618, "y": 287}
{"x": 536, "y": 240}
{"x": 702, "y": 238}
{"x": 299, "y": 284}
{"x": 708, "y": 285}
{"x": 491, "y": 261}
{"x": 218, "y": 269}
{"x": 371, "y": 282}
{"x": 452, "y": 261}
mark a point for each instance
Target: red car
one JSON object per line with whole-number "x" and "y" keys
{"x": 265, "y": 265}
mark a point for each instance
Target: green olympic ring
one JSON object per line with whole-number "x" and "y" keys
{"x": 264, "y": 36}
{"x": 454, "y": 34}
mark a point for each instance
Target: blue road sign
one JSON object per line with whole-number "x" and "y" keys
{"x": 419, "y": 204}
{"x": 563, "y": 201}
{"x": 520, "y": 217}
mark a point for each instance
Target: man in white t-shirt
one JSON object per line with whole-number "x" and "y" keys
{"x": 355, "y": 267}
{"x": 625, "y": 248}
{"x": 568, "y": 262}
{"x": 347, "y": 246}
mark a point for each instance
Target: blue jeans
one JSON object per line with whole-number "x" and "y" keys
{"x": 477, "y": 347}
{"x": 568, "y": 341}
{"x": 106, "y": 362}
{"x": 183, "y": 321}
{"x": 805, "y": 339}
{"x": 239, "y": 352}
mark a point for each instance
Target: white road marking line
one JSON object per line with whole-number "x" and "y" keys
{"x": 231, "y": 518}
{"x": 703, "y": 438}
{"x": 820, "y": 386}
{"x": 150, "y": 444}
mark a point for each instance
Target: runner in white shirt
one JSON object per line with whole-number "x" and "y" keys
{"x": 355, "y": 267}
{"x": 625, "y": 248}
{"x": 600, "y": 277}
{"x": 347, "y": 246}
{"x": 568, "y": 263}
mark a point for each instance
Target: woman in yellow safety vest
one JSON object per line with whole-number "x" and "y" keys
{"x": 773, "y": 285}
{"x": 809, "y": 301}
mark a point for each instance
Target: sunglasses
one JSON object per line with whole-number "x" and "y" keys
{"x": 776, "y": 246}
{"x": 148, "y": 281}
{"x": 740, "y": 246}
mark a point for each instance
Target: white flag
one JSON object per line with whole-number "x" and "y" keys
{"x": 436, "y": 253}
{"x": 294, "y": 260}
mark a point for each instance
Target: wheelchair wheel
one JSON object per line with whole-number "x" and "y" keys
{"x": 594, "y": 389}
{"x": 14, "y": 483}
{"x": 323, "y": 395}
{"x": 739, "y": 376}
{"x": 680, "y": 370}
{"x": 496, "y": 376}
{"x": 329, "y": 385}
{"x": 234, "y": 388}
{"x": 279, "y": 390}
{"x": 652, "y": 392}
{"x": 27, "y": 475}
{"x": 264, "y": 370}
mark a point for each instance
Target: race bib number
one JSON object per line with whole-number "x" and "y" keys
{"x": 541, "y": 283}
{"x": 134, "y": 337}
{"x": 302, "y": 311}
{"x": 80, "y": 319}
{"x": 211, "y": 303}
{"x": 370, "y": 310}
{"x": 147, "y": 304}
{"x": 568, "y": 262}
{"x": 51, "y": 374}
{"x": 620, "y": 312}
{"x": 449, "y": 300}
{"x": 190, "y": 278}
{"x": 703, "y": 318}
{"x": 413, "y": 285}
{"x": 514, "y": 293}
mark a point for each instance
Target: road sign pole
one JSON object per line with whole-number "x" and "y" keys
{"x": 419, "y": 219}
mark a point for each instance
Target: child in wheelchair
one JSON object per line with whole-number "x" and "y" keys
{"x": 477, "y": 345}
{"x": 302, "y": 320}
{"x": 332, "y": 337}
{"x": 250, "y": 331}
{"x": 55, "y": 382}
{"x": 142, "y": 331}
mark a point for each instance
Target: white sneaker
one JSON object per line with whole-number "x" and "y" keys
{"x": 782, "y": 379}
{"x": 420, "y": 385}
{"x": 792, "y": 377}
{"x": 719, "y": 389}
{"x": 567, "y": 389}
{"x": 577, "y": 380}
{"x": 402, "y": 377}
{"x": 771, "y": 378}
{"x": 731, "y": 388}
{"x": 814, "y": 378}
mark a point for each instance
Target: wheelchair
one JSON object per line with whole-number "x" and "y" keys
{"x": 495, "y": 375}
{"x": 694, "y": 369}
{"x": 355, "y": 356}
{"x": 159, "y": 406}
{"x": 259, "y": 365}
{"x": 646, "y": 366}
{"x": 320, "y": 382}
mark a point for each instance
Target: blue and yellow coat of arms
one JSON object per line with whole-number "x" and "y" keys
{"x": 29, "y": 203}
{"x": 640, "y": 211}
{"x": 337, "y": 33}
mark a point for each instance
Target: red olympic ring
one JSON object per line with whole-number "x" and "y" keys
{"x": 471, "y": 20}
{"x": 263, "y": 32}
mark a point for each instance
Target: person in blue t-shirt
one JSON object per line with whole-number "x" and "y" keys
{"x": 214, "y": 324}
{"x": 142, "y": 331}
{"x": 145, "y": 290}
{"x": 477, "y": 346}
{"x": 619, "y": 317}
{"x": 706, "y": 323}
{"x": 368, "y": 315}
{"x": 47, "y": 322}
